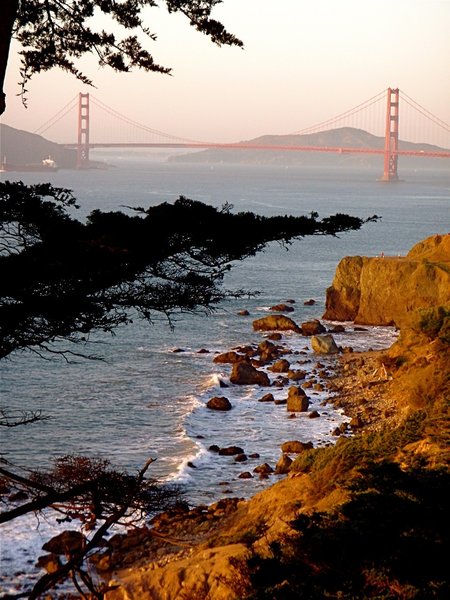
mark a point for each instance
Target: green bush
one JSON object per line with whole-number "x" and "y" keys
{"x": 435, "y": 323}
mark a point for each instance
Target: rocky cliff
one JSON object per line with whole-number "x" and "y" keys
{"x": 384, "y": 291}
{"x": 367, "y": 515}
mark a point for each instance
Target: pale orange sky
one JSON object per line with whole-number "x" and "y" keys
{"x": 303, "y": 62}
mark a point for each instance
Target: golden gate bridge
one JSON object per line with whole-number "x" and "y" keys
{"x": 387, "y": 120}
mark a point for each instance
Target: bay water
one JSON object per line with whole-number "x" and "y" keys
{"x": 143, "y": 399}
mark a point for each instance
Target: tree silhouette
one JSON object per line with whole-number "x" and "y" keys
{"x": 77, "y": 277}
{"x": 55, "y": 33}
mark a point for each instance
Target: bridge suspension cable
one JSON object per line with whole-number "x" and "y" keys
{"x": 348, "y": 113}
{"x": 111, "y": 111}
{"x": 58, "y": 116}
{"x": 423, "y": 111}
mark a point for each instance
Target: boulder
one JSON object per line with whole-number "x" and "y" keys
{"x": 219, "y": 403}
{"x": 296, "y": 375}
{"x": 276, "y": 323}
{"x": 267, "y": 398}
{"x": 265, "y": 469}
{"x": 296, "y": 447}
{"x": 283, "y": 465}
{"x": 313, "y": 327}
{"x": 282, "y": 308}
{"x": 240, "y": 457}
{"x": 268, "y": 351}
{"x": 324, "y": 344}
{"x": 49, "y": 562}
{"x": 245, "y": 475}
{"x": 245, "y": 374}
{"x": 309, "y": 302}
{"x": 231, "y": 451}
{"x": 243, "y": 313}
{"x": 281, "y": 366}
{"x": 314, "y": 414}
{"x": 297, "y": 400}
{"x": 65, "y": 543}
{"x": 276, "y": 337}
{"x": 229, "y": 357}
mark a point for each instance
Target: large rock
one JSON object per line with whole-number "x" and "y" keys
{"x": 66, "y": 543}
{"x": 297, "y": 400}
{"x": 313, "y": 327}
{"x": 385, "y": 291}
{"x": 219, "y": 403}
{"x": 276, "y": 323}
{"x": 283, "y": 465}
{"x": 295, "y": 447}
{"x": 324, "y": 344}
{"x": 229, "y": 357}
{"x": 245, "y": 374}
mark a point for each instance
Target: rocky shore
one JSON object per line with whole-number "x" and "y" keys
{"x": 324, "y": 530}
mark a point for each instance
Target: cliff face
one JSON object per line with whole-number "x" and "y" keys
{"x": 384, "y": 291}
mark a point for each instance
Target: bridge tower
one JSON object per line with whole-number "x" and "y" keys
{"x": 391, "y": 136}
{"x": 83, "y": 131}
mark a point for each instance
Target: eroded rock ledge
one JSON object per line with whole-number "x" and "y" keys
{"x": 385, "y": 290}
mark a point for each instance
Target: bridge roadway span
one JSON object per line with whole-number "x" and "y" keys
{"x": 243, "y": 146}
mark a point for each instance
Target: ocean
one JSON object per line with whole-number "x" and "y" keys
{"x": 145, "y": 400}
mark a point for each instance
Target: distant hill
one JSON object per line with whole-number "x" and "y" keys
{"x": 348, "y": 137}
{"x": 19, "y": 147}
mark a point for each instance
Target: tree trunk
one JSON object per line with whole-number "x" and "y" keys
{"x": 8, "y": 12}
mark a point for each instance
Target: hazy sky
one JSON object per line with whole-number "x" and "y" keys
{"x": 303, "y": 62}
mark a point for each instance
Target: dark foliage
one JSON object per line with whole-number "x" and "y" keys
{"x": 62, "y": 279}
{"x": 91, "y": 492}
{"x": 56, "y": 34}
{"x": 391, "y": 540}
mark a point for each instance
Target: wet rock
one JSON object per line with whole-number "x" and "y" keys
{"x": 309, "y": 302}
{"x": 49, "y": 562}
{"x": 219, "y": 403}
{"x": 295, "y": 447}
{"x": 313, "y": 327}
{"x": 191, "y": 465}
{"x": 231, "y": 451}
{"x": 240, "y": 458}
{"x": 245, "y": 475}
{"x": 282, "y": 308}
{"x": 268, "y": 351}
{"x": 203, "y": 351}
{"x": 245, "y": 374}
{"x": 276, "y": 337}
{"x": 214, "y": 448}
{"x": 178, "y": 350}
{"x": 296, "y": 375}
{"x": 314, "y": 414}
{"x": 283, "y": 465}
{"x": 267, "y": 398}
{"x": 229, "y": 358}
{"x": 337, "y": 329}
{"x": 264, "y": 469}
{"x": 324, "y": 344}
{"x": 66, "y": 543}
{"x": 276, "y": 323}
{"x": 280, "y": 401}
{"x": 297, "y": 400}
{"x": 281, "y": 366}
{"x": 254, "y": 455}
{"x": 243, "y": 313}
